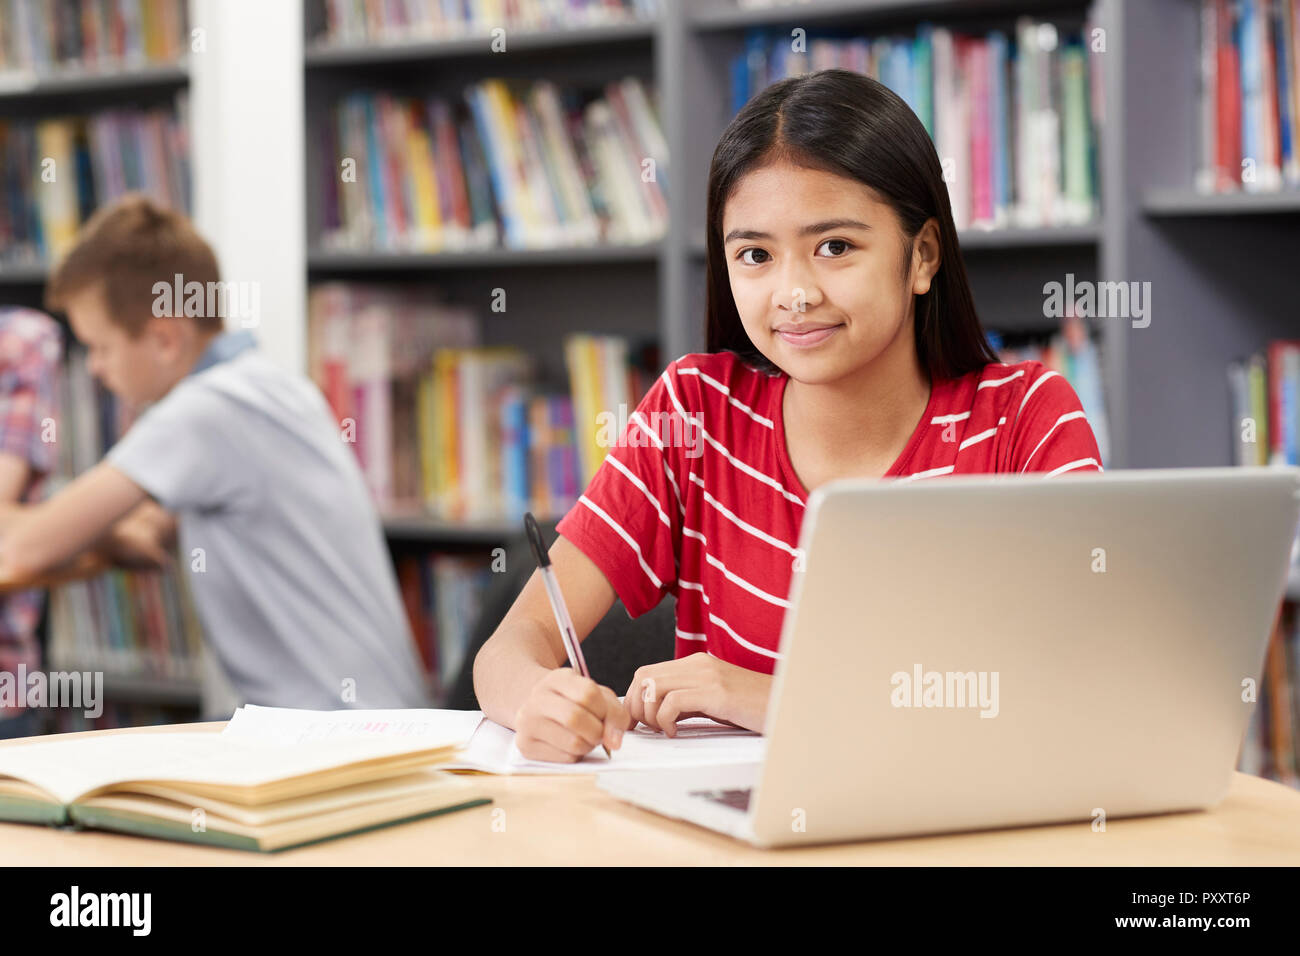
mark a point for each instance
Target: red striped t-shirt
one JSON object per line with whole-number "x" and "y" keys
{"x": 699, "y": 500}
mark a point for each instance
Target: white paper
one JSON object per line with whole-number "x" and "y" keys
{"x": 488, "y": 747}
{"x": 700, "y": 742}
{"x": 291, "y": 726}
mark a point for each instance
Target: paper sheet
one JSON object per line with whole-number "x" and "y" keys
{"x": 700, "y": 742}
{"x": 490, "y": 748}
{"x": 290, "y": 726}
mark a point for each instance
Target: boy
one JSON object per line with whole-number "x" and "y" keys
{"x": 287, "y": 562}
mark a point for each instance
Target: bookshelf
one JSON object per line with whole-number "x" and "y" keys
{"x": 140, "y": 81}
{"x": 1219, "y": 265}
{"x": 658, "y": 287}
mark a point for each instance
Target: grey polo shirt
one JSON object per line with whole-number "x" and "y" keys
{"x": 279, "y": 537}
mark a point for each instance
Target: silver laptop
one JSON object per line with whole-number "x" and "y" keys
{"x": 992, "y": 651}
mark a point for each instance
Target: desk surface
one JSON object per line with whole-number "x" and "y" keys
{"x": 567, "y": 820}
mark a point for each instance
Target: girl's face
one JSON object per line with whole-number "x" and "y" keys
{"x": 821, "y": 273}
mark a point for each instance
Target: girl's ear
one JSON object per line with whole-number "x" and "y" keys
{"x": 925, "y": 256}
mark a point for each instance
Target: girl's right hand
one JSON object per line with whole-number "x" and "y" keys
{"x": 566, "y": 716}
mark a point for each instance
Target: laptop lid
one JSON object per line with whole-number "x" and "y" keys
{"x": 998, "y": 650}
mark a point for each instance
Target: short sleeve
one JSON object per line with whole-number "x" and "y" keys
{"x": 1052, "y": 434}
{"x": 27, "y": 389}
{"x": 629, "y": 519}
{"x": 181, "y": 452}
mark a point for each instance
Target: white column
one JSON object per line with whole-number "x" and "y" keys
{"x": 246, "y": 102}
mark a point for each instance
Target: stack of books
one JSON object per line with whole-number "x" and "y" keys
{"x": 1014, "y": 118}
{"x": 126, "y": 623}
{"x": 1249, "y": 96}
{"x": 58, "y": 171}
{"x": 443, "y": 595}
{"x": 250, "y": 791}
{"x": 355, "y": 22}
{"x": 1073, "y": 354}
{"x": 42, "y": 37}
{"x": 534, "y": 167}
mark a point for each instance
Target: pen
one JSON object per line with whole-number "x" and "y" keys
{"x": 562, "y": 619}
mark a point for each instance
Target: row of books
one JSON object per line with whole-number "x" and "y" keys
{"x": 1249, "y": 95}
{"x": 443, "y": 595}
{"x": 46, "y": 36}
{"x": 56, "y": 172}
{"x": 1269, "y": 748}
{"x": 1014, "y": 118}
{"x": 445, "y": 426}
{"x": 1265, "y": 405}
{"x": 533, "y": 167}
{"x": 134, "y": 623}
{"x": 1071, "y": 352}
{"x": 353, "y": 22}
{"x": 607, "y": 383}
{"x": 138, "y": 623}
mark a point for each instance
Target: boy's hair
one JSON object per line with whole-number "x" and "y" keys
{"x": 123, "y": 250}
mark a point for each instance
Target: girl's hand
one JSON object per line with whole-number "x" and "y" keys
{"x": 698, "y": 686}
{"x": 566, "y": 716}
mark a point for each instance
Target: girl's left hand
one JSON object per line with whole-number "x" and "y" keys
{"x": 699, "y": 685}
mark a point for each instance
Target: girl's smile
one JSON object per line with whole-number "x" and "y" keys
{"x": 806, "y": 335}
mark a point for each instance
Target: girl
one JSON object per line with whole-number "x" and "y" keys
{"x": 842, "y": 342}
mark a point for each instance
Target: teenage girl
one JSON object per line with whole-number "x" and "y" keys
{"x": 842, "y": 342}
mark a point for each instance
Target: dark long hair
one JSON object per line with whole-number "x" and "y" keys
{"x": 848, "y": 124}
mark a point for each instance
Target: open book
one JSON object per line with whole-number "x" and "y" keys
{"x": 229, "y": 791}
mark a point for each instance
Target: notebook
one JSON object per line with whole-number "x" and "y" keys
{"x": 230, "y": 791}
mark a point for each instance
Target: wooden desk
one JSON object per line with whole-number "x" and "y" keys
{"x": 566, "y": 819}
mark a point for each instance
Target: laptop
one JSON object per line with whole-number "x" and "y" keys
{"x": 991, "y": 651}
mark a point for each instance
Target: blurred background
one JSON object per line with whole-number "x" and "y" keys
{"x": 479, "y": 224}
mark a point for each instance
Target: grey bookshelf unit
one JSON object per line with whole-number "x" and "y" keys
{"x": 657, "y": 290}
{"x": 77, "y": 91}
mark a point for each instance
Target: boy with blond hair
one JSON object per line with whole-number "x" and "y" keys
{"x": 283, "y": 549}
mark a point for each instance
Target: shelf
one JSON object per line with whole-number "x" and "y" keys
{"x": 1062, "y": 237}
{"x": 23, "y": 275}
{"x": 322, "y": 261}
{"x": 384, "y": 54}
{"x": 429, "y": 529}
{"x": 130, "y": 688}
{"x": 730, "y": 16}
{"x": 71, "y": 81}
{"x": 1160, "y": 203}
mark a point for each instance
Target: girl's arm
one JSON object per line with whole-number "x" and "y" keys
{"x": 518, "y": 674}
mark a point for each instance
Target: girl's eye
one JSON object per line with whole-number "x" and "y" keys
{"x": 744, "y": 252}
{"x": 840, "y": 247}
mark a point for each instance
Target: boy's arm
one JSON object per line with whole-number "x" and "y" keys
{"x": 48, "y": 534}
{"x": 15, "y": 473}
